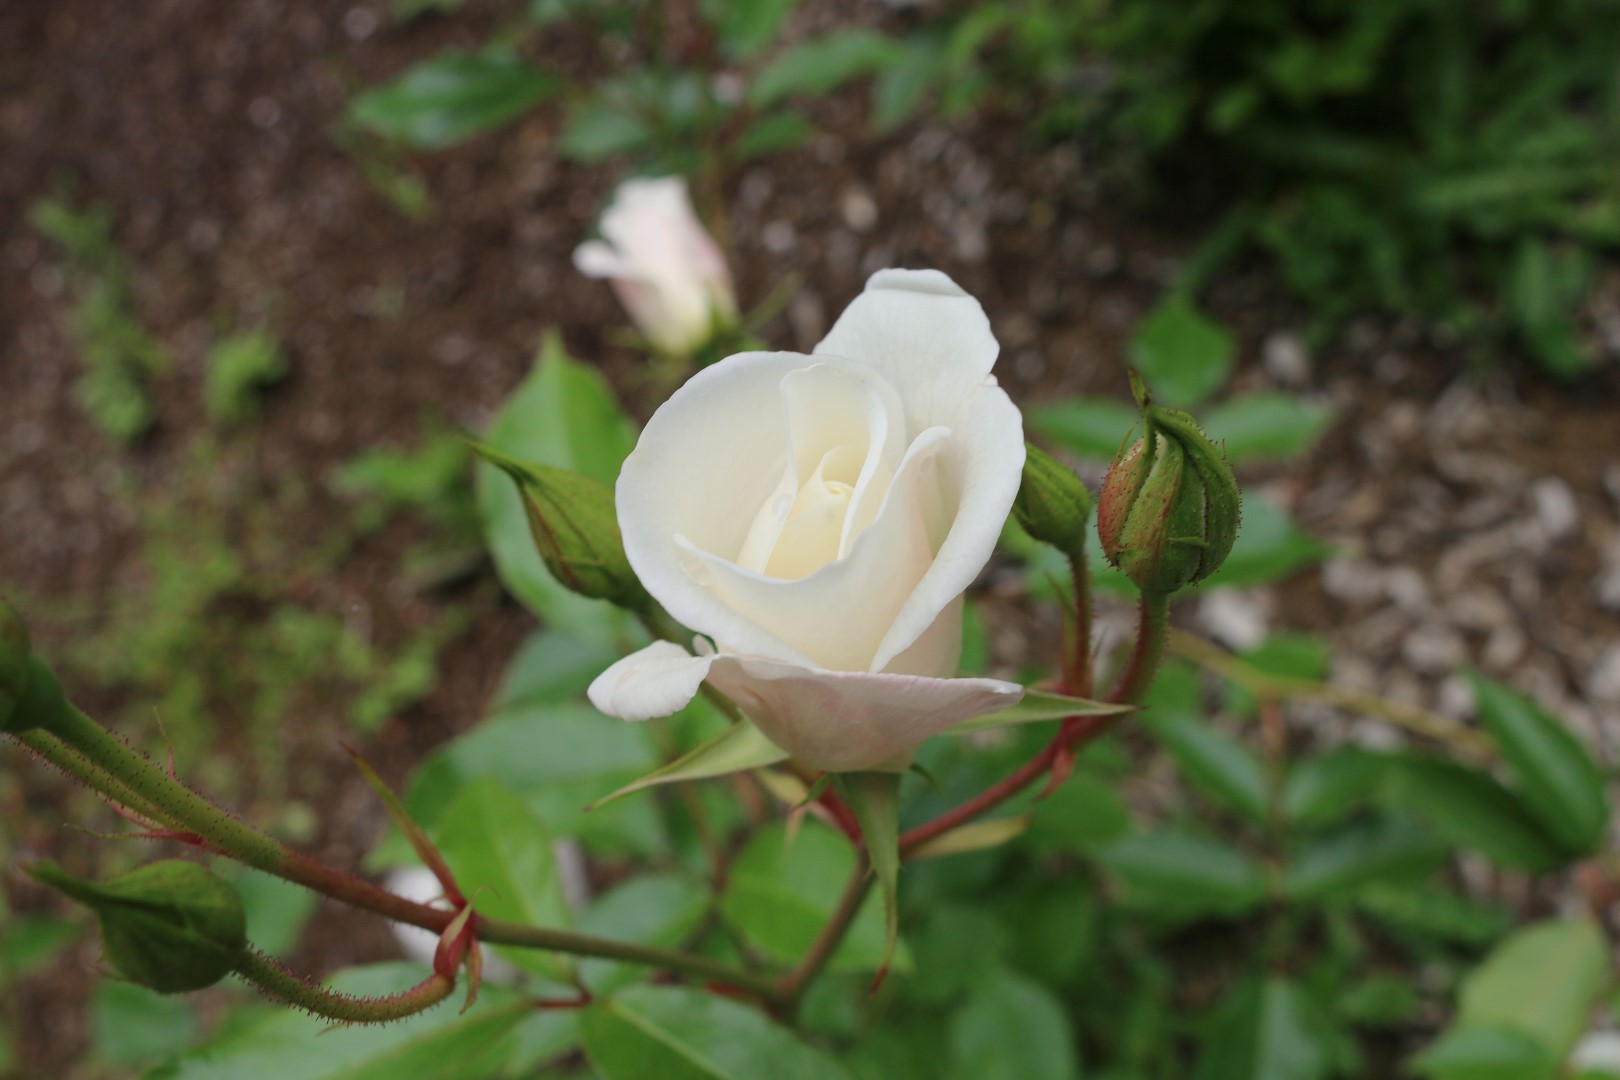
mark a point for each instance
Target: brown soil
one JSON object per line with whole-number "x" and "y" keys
{"x": 208, "y": 129}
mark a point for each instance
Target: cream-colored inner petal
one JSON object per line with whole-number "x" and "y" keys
{"x": 846, "y": 436}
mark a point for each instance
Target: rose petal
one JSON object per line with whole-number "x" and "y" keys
{"x": 655, "y": 681}
{"x": 707, "y": 460}
{"x": 842, "y": 721}
{"x": 922, "y": 333}
{"x": 838, "y": 616}
{"x": 984, "y": 465}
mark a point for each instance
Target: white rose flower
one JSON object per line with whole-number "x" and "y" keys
{"x": 819, "y": 517}
{"x": 669, "y": 273}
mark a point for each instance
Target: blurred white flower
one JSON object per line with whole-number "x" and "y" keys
{"x": 668, "y": 271}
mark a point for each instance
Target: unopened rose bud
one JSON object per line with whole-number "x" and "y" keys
{"x": 171, "y": 926}
{"x": 1169, "y": 507}
{"x": 575, "y": 529}
{"x": 669, "y": 273}
{"x": 1053, "y": 505}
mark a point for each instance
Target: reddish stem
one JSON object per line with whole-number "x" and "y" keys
{"x": 1076, "y": 732}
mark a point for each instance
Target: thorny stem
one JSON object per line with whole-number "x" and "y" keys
{"x": 832, "y": 934}
{"x": 1152, "y": 627}
{"x": 269, "y": 976}
{"x": 54, "y": 752}
{"x": 219, "y": 830}
{"x": 1261, "y": 684}
{"x": 1079, "y": 664}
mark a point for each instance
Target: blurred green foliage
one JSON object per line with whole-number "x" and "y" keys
{"x": 120, "y": 355}
{"x": 1451, "y": 160}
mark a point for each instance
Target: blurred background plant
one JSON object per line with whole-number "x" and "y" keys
{"x": 1277, "y": 872}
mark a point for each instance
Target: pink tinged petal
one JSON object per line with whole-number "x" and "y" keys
{"x": 838, "y": 616}
{"x": 842, "y": 721}
{"x": 706, "y": 461}
{"x": 656, "y": 681}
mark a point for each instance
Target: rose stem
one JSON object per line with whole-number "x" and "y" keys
{"x": 219, "y": 830}
{"x": 1153, "y": 625}
{"x": 1075, "y": 732}
{"x": 1080, "y": 661}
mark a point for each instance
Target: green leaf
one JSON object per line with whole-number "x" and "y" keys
{"x": 170, "y": 926}
{"x": 1091, "y": 427}
{"x": 1324, "y": 788}
{"x": 875, "y": 798}
{"x": 739, "y": 748}
{"x": 660, "y": 909}
{"x": 501, "y": 856}
{"x": 1266, "y": 424}
{"x": 1183, "y": 874}
{"x": 1269, "y": 547}
{"x": 1542, "y": 983}
{"x": 1034, "y": 707}
{"x": 130, "y": 1024}
{"x": 904, "y": 80}
{"x": 551, "y": 667}
{"x": 1214, "y": 763}
{"x": 1426, "y": 911}
{"x": 598, "y": 129}
{"x": 1472, "y": 809}
{"x": 771, "y": 134}
{"x": 781, "y": 891}
{"x": 452, "y": 97}
{"x": 1079, "y": 817}
{"x": 821, "y": 64}
{"x": 676, "y": 1033}
{"x": 440, "y": 1044}
{"x": 1485, "y": 1053}
{"x": 1378, "y": 849}
{"x": 1560, "y": 781}
{"x": 1183, "y": 354}
{"x": 1012, "y": 1028}
{"x": 1265, "y": 1032}
{"x": 565, "y": 416}
{"x": 746, "y": 26}
{"x": 585, "y": 754}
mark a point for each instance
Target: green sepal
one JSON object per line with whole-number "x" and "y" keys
{"x": 875, "y": 798}
{"x": 739, "y": 748}
{"x": 1034, "y": 707}
{"x": 170, "y": 926}
{"x": 575, "y": 529}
